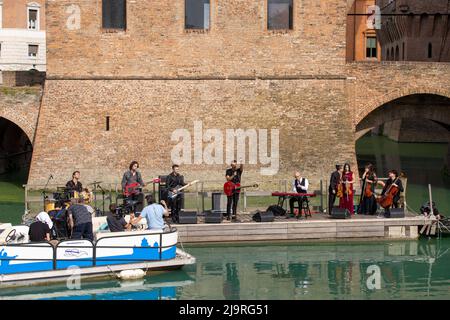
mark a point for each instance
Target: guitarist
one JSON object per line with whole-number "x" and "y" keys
{"x": 132, "y": 177}
{"x": 394, "y": 182}
{"x": 174, "y": 181}
{"x": 234, "y": 175}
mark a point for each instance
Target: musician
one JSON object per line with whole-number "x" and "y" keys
{"x": 233, "y": 174}
{"x": 333, "y": 187}
{"x": 134, "y": 177}
{"x": 348, "y": 178}
{"x": 174, "y": 181}
{"x": 299, "y": 185}
{"x": 368, "y": 204}
{"x": 392, "y": 182}
{"x": 74, "y": 184}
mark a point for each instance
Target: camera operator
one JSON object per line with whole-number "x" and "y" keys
{"x": 116, "y": 221}
{"x": 154, "y": 213}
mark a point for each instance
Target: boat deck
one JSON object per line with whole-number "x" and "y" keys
{"x": 45, "y": 277}
{"x": 319, "y": 226}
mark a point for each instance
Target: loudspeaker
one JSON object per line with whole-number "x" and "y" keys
{"x": 397, "y": 213}
{"x": 213, "y": 216}
{"x": 338, "y": 213}
{"x": 162, "y": 191}
{"x": 216, "y": 196}
{"x": 266, "y": 216}
{"x": 188, "y": 217}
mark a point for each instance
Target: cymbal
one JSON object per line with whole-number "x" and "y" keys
{"x": 95, "y": 182}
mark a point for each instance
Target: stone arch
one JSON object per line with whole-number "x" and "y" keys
{"x": 21, "y": 122}
{"x": 394, "y": 95}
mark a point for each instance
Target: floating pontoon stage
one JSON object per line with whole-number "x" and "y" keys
{"x": 318, "y": 227}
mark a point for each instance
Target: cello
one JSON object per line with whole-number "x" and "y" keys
{"x": 387, "y": 200}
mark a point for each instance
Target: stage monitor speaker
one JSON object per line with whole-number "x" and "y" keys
{"x": 264, "y": 216}
{"x": 397, "y": 213}
{"x": 213, "y": 216}
{"x": 188, "y": 217}
{"x": 338, "y": 213}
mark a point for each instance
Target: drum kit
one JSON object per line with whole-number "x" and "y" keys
{"x": 68, "y": 196}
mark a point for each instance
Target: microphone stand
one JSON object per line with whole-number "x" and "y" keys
{"x": 103, "y": 198}
{"x": 44, "y": 194}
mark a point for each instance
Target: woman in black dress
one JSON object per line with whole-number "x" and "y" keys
{"x": 368, "y": 203}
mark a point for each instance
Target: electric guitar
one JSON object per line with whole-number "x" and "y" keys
{"x": 172, "y": 195}
{"x": 136, "y": 188}
{"x": 229, "y": 188}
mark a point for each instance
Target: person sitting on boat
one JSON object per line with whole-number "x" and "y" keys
{"x": 80, "y": 221}
{"x": 60, "y": 220}
{"x": 40, "y": 229}
{"x": 116, "y": 221}
{"x": 154, "y": 213}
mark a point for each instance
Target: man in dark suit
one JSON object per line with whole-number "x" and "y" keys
{"x": 332, "y": 189}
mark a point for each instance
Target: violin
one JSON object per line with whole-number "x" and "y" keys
{"x": 387, "y": 200}
{"x": 368, "y": 193}
{"x": 340, "y": 191}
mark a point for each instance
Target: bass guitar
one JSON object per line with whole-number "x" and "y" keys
{"x": 178, "y": 189}
{"x": 230, "y": 188}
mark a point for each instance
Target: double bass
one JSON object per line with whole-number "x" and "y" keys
{"x": 387, "y": 200}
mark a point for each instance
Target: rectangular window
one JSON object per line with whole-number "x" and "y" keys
{"x": 33, "y": 19}
{"x": 197, "y": 14}
{"x": 371, "y": 47}
{"x": 114, "y": 14}
{"x": 33, "y": 50}
{"x": 280, "y": 14}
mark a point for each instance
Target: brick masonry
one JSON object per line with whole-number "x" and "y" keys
{"x": 21, "y": 106}
{"x": 155, "y": 77}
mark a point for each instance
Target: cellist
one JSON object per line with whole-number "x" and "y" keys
{"x": 368, "y": 203}
{"x": 394, "y": 187}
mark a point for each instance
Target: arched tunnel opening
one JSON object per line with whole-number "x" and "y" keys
{"x": 15, "y": 159}
{"x": 411, "y": 135}
{"x": 15, "y": 149}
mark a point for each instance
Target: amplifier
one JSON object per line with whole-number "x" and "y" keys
{"x": 188, "y": 217}
{"x": 213, "y": 216}
{"x": 338, "y": 213}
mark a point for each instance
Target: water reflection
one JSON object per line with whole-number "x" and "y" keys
{"x": 348, "y": 270}
{"x": 326, "y": 271}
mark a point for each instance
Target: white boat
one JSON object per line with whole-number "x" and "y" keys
{"x": 26, "y": 263}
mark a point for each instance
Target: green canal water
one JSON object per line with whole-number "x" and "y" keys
{"x": 302, "y": 271}
{"x": 297, "y": 271}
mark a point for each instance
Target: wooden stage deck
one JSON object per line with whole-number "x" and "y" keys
{"x": 318, "y": 227}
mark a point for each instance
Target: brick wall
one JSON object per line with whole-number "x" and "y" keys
{"x": 156, "y": 44}
{"x": 312, "y": 116}
{"x": 22, "y": 78}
